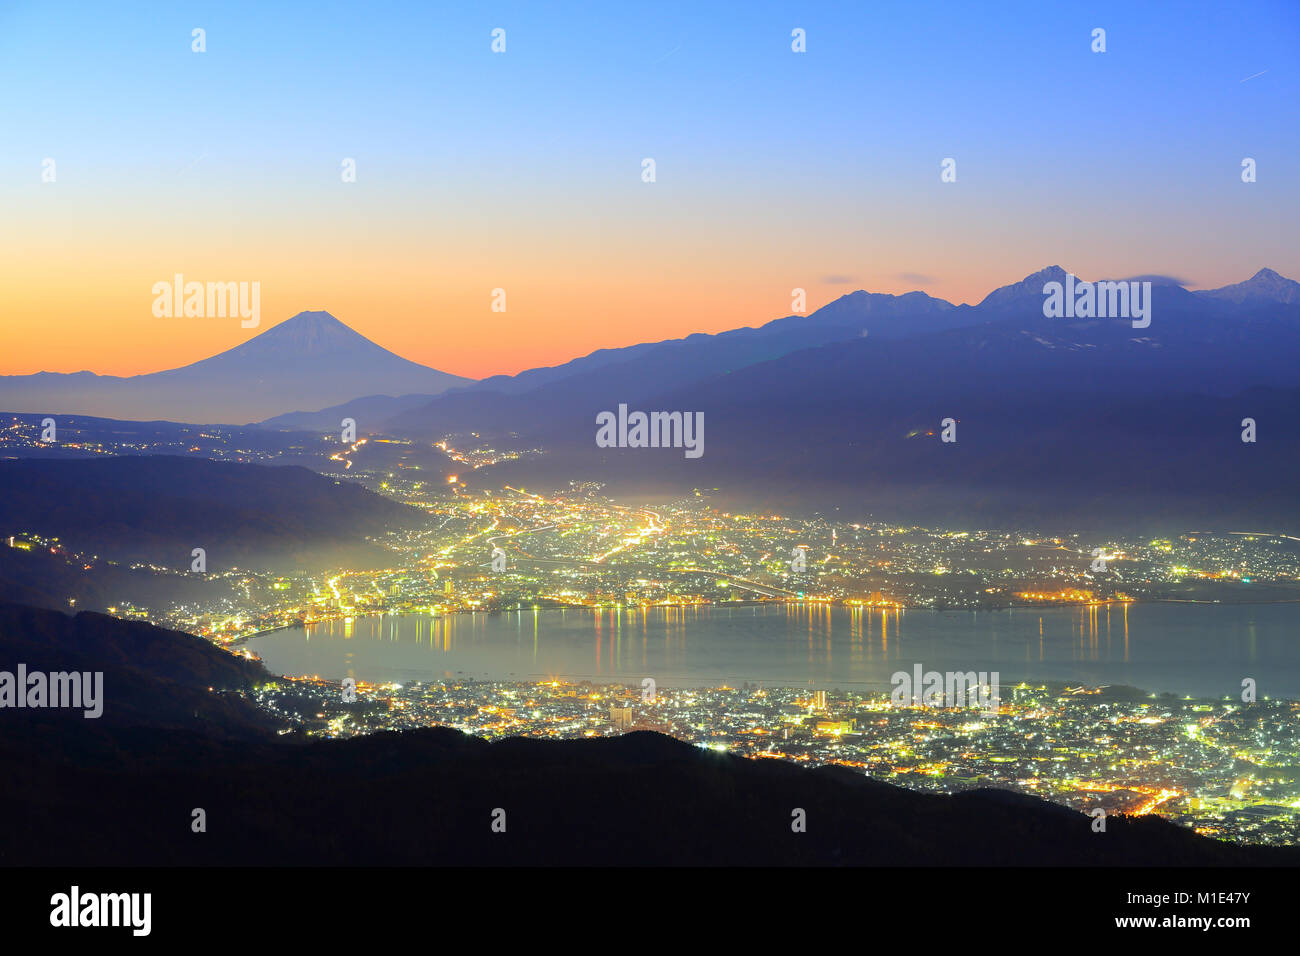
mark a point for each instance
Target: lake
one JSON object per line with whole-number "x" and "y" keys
{"x": 1198, "y": 649}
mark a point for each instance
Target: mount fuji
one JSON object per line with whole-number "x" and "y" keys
{"x": 309, "y": 361}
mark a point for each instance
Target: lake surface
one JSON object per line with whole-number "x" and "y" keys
{"x": 1198, "y": 649}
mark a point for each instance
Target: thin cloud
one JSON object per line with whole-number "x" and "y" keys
{"x": 915, "y": 278}
{"x": 667, "y": 55}
{"x": 1159, "y": 280}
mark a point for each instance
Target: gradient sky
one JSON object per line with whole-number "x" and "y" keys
{"x": 522, "y": 170}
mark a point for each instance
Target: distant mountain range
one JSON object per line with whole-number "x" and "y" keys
{"x": 663, "y": 364}
{"x": 1080, "y": 420}
{"x": 310, "y": 361}
{"x": 311, "y": 371}
{"x": 866, "y": 321}
{"x": 118, "y": 790}
{"x": 1059, "y": 419}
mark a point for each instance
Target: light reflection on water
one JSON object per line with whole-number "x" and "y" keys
{"x": 1203, "y": 650}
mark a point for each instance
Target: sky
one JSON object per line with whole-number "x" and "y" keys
{"x": 522, "y": 170}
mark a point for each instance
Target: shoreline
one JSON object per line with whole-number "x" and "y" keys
{"x": 737, "y": 604}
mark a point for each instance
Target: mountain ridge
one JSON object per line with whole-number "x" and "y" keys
{"x": 157, "y": 508}
{"x": 320, "y": 353}
{"x": 646, "y": 375}
{"x": 1265, "y": 285}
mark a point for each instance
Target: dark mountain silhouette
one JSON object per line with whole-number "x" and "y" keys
{"x": 909, "y": 336}
{"x": 57, "y": 581}
{"x": 1059, "y": 419}
{"x": 158, "y": 508}
{"x": 176, "y": 735}
{"x": 642, "y": 370}
{"x": 310, "y": 361}
{"x": 657, "y": 366}
{"x": 849, "y": 316}
{"x": 653, "y": 366}
{"x": 164, "y": 680}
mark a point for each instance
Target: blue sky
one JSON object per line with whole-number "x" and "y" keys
{"x": 525, "y": 165}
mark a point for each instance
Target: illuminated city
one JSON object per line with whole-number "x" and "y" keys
{"x": 706, "y": 443}
{"x": 1220, "y": 767}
